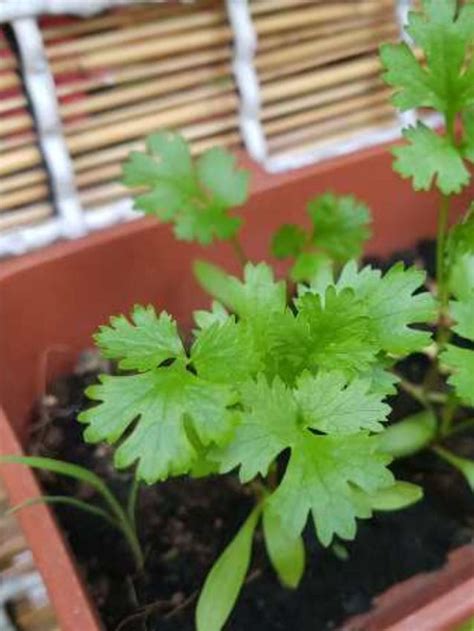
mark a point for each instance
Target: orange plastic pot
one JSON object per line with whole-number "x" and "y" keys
{"x": 51, "y": 302}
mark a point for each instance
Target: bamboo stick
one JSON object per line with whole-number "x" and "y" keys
{"x": 119, "y": 75}
{"x": 118, "y": 19}
{"x": 285, "y": 38}
{"x": 30, "y": 186}
{"x": 153, "y": 28}
{"x": 316, "y": 99}
{"x": 302, "y": 135}
{"x": 108, "y": 135}
{"x": 319, "y": 13}
{"x": 12, "y": 103}
{"x": 8, "y": 63}
{"x": 149, "y": 49}
{"x": 327, "y": 139}
{"x": 144, "y": 90}
{"x": 17, "y": 218}
{"x": 18, "y": 122}
{"x": 271, "y": 6}
{"x": 326, "y": 77}
{"x": 217, "y": 36}
{"x": 367, "y": 102}
{"x": 337, "y": 46}
{"x": 150, "y": 107}
{"x": 9, "y": 80}
{"x": 22, "y": 180}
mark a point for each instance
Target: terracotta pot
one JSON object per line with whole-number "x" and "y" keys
{"x": 51, "y": 301}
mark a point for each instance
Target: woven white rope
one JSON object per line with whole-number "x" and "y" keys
{"x": 41, "y": 89}
{"x": 22, "y": 240}
{"x": 245, "y": 44}
{"x": 13, "y": 9}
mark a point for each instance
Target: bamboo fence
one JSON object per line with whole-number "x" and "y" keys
{"x": 127, "y": 73}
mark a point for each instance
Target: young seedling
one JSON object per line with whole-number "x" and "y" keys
{"x": 306, "y": 376}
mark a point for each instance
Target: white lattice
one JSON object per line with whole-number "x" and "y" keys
{"x": 71, "y": 220}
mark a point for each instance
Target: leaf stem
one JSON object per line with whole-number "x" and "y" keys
{"x": 239, "y": 251}
{"x": 441, "y": 276}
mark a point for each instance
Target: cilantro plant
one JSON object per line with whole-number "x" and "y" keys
{"x": 287, "y": 384}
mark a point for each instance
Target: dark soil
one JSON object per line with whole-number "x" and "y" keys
{"x": 185, "y": 524}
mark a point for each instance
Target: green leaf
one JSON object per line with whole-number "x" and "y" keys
{"x": 465, "y": 466}
{"x": 288, "y": 241}
{"x": 460, "y": 249}
{"x": 332, "y": 405}
{"x": 320, "y": 478}
{"x": 267, "y": 427}
{"x": 314, "y": 267}
{"x": 256, "y": 296}
{"x": 224, "y": 581}
{"x": 69, "y": 470}
{"x": 430, "y": 158}
{"x": 461, "y": 362}
{"x": 336, "y": 332}
{"x": 323, "y": 470}
{"x": 341, "y": 225}
{"x": 157, "y": 407}
{"x": 144, "y": 343}
{"x": 463, "y": 314}
{"x": 196, "y": 197}
{"x": 391, "y": 305}
{"x": 225, "y": 352}
{"x": 216, "y": 170}
{"x": 461, "y": 276}
{"x": 205, "y": 319}
{"x": 408, "y": 436}
{"x": 287, "y": 554}
{"x": 446, "y": 36}
{"x": 69, "y": 501}
{"x": 400, "y": 495}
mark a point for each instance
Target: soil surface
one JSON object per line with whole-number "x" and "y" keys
{"x": 185, "y": 524}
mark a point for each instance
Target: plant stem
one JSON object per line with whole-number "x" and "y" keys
{"x": 239, "y": 251}
{"x": 441, "y": 276}
{"x": 132, "y": 502}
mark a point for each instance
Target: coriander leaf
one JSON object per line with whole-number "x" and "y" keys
{"x": 172, "y": 157}
{"x": 142, "y": 343}
{"x": 414, "y": 87}
{"x": 161, "y": 401}
{"x": 224, "y": 581}
{"x": 332, "y": 405}
{"x": 430, "y": 157}
{"x": 288, "y": 241}
{"x": 216, "y": 170}
{"x": 314, "y": 267}
{"x": 256, "y": 296}
{"x": 461, "y": 276}
{"x": 461, "y": 362}
{"x": 204, "y": 222}
{"x": 225, "y": 353}
{"x": 205, "y": 319}
{"x": 463, "y": 314}
{"x": 336, "y": 334}
{"x": 195, "y": 197}
{"x": 320, "y": 477}
{"x": 391, "y": 305}
{"x": 267, "y": 427}
{"x": 341, "y": 225}
{"x": 446, "y": 36}
{"x": 287, "y": 554}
